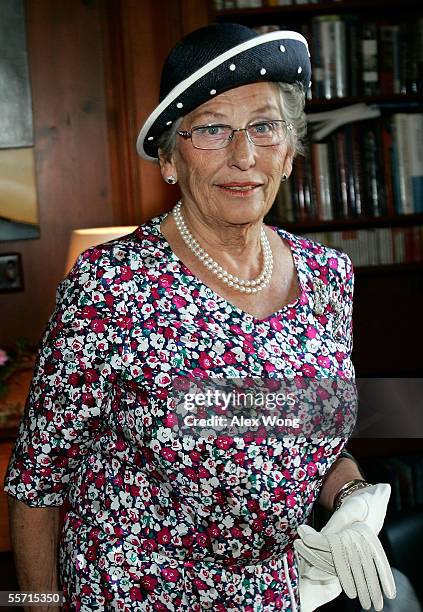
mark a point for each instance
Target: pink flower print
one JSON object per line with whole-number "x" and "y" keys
{"x": 74, "y": 380}
{"x": 323, "y": 361}
{"x": 202, "y": 539}
{"x": 135, "y": 594}
{"x": 229, "y": 358}
{"x": 26, "y": 477}
{"x": 187, "y": 541}
{"x": 190, "y": 474}
{"x": 125, "y": 322}
{"x": 308, "y": 370}
{"x": 290, "y": 501}
{"x": 149, "y": 582}
{"x": 339, "y": 356}
{"x": 224, "y": 442}
{"x": 164, "y": 536}
{"x": 312, "y": 263}
{"x": 239, "y": 457}
{"x": 200, "y": 584}
{"x": 333, "y": 263}
{"x": 195, "y": 456}
{"x": 169, "y": 454}
{"x": 91, "y": 375}
{"x": 276, "y": 323}
{"x": 165, "y": 280}
{"x": 203, "y": 473}
{"x": 311, "y": 468}
{"x": 170, "y": 420}
{"x": 311, "y": 331}
{"x": 290, "y": 314}
{"x": 109, "y": 299}
{"x": 89, "y": 312}
{"x": 214, "y": 530}
{"x": 257, "y": 525}
{"x": 205, "y": 361}
{"x": 269, "y": 367}
{"x": 248, "y": 348}
{"x": 322, "y": 393}
{"x": 125, "y": 273}
{"x": 97, "y": 325}
{"x": 179, "y": 301}
{"x": 199, "y": 373}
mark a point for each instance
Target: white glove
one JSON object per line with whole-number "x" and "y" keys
{"x": 347, "y": 553}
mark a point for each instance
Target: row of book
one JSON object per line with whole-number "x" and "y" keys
{"x": 221, "y": 5}
{"x": 351, "y": 57}
{"x": 370, "y": 168}
{"x": 375, "y": 247}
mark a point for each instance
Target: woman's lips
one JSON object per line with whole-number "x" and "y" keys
{"x": 240, "y": 189}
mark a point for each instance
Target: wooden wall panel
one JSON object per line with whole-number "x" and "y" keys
{"x": 65, "y": 49}
{"x": 140, "y": 36}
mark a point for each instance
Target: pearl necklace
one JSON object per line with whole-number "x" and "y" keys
{"x": 246, "y": 286}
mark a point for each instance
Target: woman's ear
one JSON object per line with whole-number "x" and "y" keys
{"x": 167, "y": 168}
{"x": 287, "y": 165}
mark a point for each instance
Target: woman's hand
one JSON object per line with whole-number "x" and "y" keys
{"x": 348, "y": 549}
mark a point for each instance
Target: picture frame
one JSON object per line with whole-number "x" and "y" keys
{"x": 11, "y": 275}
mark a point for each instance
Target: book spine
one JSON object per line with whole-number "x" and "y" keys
{"x": 386, "y": 153}
{"x": 386, "y": 59}
{"x": 356, "y": 170}
{"x": 404, "y": 203}
{"x": 341, "y": 167}
{"x": 318, "y": 71}
{"x": 369, "y": 59}
{"x": 415, "y": 145}
{"x": 396, "y": 53}
{"x": 323, "y": 182}
{"x": 328, "y": 59}
{"x": 340, "y": 61}
{"x": 372, "y": 186}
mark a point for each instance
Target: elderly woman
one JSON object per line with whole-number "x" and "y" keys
{"x": 159, "y": 521}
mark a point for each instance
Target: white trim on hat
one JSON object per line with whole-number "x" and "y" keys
{"x": 220, "y": 59}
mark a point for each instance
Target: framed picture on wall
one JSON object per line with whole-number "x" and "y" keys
{"x": 11, "y": 277}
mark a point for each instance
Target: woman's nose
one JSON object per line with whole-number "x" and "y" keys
{"x": 242, "y": 151}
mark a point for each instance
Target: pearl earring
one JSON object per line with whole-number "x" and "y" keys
{"x": 171, "y": 180}
{"x": 284, "y": 177}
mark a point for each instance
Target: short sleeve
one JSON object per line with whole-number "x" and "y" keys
{"x": 77, "y": 361}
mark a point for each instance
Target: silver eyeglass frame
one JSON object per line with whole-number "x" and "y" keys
{"x": 187, "y": 134}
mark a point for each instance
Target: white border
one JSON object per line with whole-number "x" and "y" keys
{"x": 183, "y": 85}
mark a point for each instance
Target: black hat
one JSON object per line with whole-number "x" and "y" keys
{"x": 216, "y": 58}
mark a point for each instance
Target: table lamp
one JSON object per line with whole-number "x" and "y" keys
{"x": 82, "y": 239}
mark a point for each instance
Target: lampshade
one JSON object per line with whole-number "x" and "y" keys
{"x": 82, "y": 239}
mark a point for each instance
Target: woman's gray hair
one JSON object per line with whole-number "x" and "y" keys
{"x": 292, "y": 101}
{"x": 167, "y": 140}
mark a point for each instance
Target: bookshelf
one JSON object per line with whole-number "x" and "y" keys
{"x": 388, "y": 218}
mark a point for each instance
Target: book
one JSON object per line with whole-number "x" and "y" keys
{"x": 415, "y": 147}
{"x": 320, "y": 160}
{"x": 369, "y": 54}
{"x": 400, "y": 165}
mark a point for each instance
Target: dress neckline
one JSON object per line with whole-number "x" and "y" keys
{"x": 296, "y": 257}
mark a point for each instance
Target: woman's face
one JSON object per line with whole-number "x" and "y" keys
{"x": 237, "y": 184}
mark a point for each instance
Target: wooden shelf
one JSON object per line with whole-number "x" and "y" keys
{"x": 348, "y": 224}
{"x": 299, "y": 12}
{"x": 387, "y": 102}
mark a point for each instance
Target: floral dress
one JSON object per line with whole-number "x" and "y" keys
{"x": 157, "y": 521}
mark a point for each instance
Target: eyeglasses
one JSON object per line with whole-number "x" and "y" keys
{"x": 217, "y": 136}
